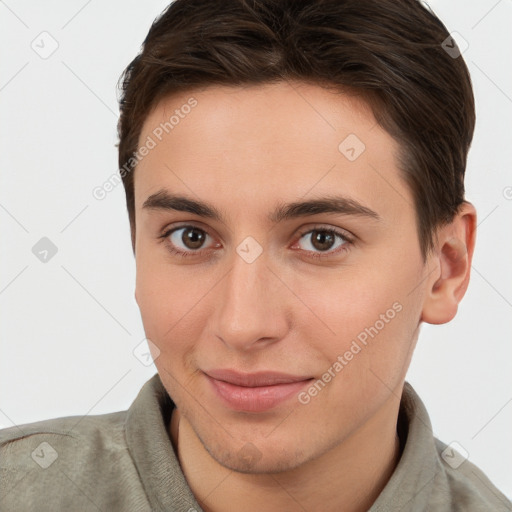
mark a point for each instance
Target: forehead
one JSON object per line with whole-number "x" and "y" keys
{"x": 289, "y": 110}
{"x": 267, "y": 141}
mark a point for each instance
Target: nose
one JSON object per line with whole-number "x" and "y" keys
{"x": 254, "y": 305}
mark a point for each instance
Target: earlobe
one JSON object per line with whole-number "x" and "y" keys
{"x": 449, "y": 283}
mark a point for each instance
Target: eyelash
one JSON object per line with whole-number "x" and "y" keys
{"x": 315, "y": 255}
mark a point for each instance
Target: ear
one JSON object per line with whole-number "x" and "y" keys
{"x": 452, "y": 263}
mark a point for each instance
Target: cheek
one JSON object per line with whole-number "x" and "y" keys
{"x": 166, "y": 302}
{"x": 174, "y": 308}
{"x": 367, "y": 314}
{"x": 359, "y": 366}
{"x": 164, "y": 294}
{"x": 346, "y": 301}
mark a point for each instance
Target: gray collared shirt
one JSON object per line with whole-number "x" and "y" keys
{"x": 124, "y": 461}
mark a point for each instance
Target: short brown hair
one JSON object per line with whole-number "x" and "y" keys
{"x": 389, "y": 52}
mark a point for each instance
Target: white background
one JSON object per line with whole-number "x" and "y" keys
{"x": 69, "y": 326}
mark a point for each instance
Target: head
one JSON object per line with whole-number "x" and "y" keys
{"x": 294, "y": 176}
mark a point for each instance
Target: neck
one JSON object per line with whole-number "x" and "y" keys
{"x": 350, "y": 475}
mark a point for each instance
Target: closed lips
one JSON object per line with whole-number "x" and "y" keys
{"x": 254, "y": 379}
{"x": 255, "y": 392}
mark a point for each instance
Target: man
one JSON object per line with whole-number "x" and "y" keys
{"x": 294, "y": 175}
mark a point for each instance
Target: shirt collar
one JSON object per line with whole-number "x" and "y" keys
{"x": 412, "y": 480}
{"x": 149, "y": 443}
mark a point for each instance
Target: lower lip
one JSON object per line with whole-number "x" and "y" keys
{"x": 256, "y": 399}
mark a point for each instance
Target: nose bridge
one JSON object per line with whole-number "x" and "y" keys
{"x": 250, "y": 312}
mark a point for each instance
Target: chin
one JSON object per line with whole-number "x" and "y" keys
{"x": 243, "y": 461}
{"x": 260, "y": 457}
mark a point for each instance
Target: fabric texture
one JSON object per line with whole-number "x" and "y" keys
{"x": 125, "y": 461}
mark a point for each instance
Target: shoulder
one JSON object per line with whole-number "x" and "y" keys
{"x": 65, "y": 460}
{"x": 86, "y": 433}
{"x": 463, "y": 485}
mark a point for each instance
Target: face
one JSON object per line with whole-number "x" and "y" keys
{"x": 279, "y": 274}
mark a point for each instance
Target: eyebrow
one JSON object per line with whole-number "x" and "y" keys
{"x": 164, "y": 200}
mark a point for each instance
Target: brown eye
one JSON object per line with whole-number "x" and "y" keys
{"x": 193, "y": 238}
{"x": 185, "y": 240}
{"x": 322, "y": 240}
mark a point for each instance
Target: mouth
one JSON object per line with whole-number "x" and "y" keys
{"x": 254, "y": 392}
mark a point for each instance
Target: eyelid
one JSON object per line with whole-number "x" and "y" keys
{"x": 350, "y": 237}
{"x": 185, "y": 224}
